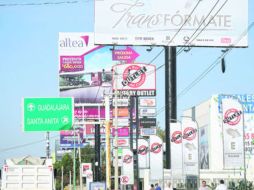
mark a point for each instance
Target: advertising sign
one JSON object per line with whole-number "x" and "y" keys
{"x": 233, "y": 144}
{"x": 89, "y": 112}
{"x": 190, "y": 146}
{"x": 121, "y": 102}
{"x": 247, "y": 101}
{"x": 124, "y": 142}
{"x": 147, "y": 131}
{"x": 69, "y": 138}
{"x": 47, "y": 114}
{"x": 121, "y": 122}
{"x": 171, "y": 23}
{"x": 148, "y": 122}
{"x": 156, "y": 158}
{"x": 128, "y": 55}
{"x": 122, "y": 131}
{"x": 127, "y": 166}
{"x": 97, "y": 186}
{"x": 147, "y": 102}
{"x": 135, "y": 79}
{"x": 86, "y": 167}
{"x": 143, "y": 153}
{"x": 176, "y": 150}
{"x": 147, "y": 112}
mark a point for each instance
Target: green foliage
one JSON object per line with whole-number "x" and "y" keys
{"x": 161, "y": 133}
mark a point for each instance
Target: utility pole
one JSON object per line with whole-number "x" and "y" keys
{"x": 74, "y": 159}
{"x": 170, "y": 96}
{"x": 108, "y": 153}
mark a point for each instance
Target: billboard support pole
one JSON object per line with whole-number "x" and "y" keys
{"x": 97, "y": 152}
{"x": 131, "y": 122}
{"x": 108, "y": 152}
{"x": 170, "y": 96}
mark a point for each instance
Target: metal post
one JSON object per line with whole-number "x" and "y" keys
{"x": 74, "y": 159}
{"x": 137, "y": 135}
{"x": 70, "y": 181}
{"x": 131, "y": 121}
{"x": 170, "y": 96}
{"x": 47, "y": 145}
{"x": 80, "y": 167}
{"x": 97, "y": 152}
{"x": 116, "y": 133}
{"x": 108, "y": 153}
{"x": 62, "y": 178}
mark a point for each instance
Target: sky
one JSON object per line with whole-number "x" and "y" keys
{"x": 29, "y": 66}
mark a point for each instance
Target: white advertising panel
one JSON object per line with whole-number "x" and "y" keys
{"x": 232, "y": 114}
{"x": 176, "y": 150}
{"x": 121, "y": 102}
{"x": 171, "y": 23}
{"x": 143, "y": 154}
{"x": 86, "y": 167}
{"x": 147, "y": 131}
{"x": 121, "y": 122}
{"x": 147, "y": 102}
{"x": 190, "y": 146}
{"x": 135, "y": 79}
{"x": 156, "y": 158}
{"x": 127, "y": 166}
{"x": 147, "y": 112}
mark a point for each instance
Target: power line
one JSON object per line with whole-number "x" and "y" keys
{"x": 212, "y": 66}
{"x": 42, "y": 3}
{"x": 191, "y": 40}
{"x": 25, "y": 145}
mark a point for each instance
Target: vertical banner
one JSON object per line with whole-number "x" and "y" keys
{"x": 127, "y": 159}
{"x": 156, "y": 158}
{"x": 203, "y": 148}
{"x": 143, "y": 154}
{"x": 232, "y": 124}
{"x": 190, "y": 146}
{"x": 86, "y": 167}
{"x": 176, "y": 150}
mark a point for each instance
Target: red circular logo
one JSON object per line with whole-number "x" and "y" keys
{"x": 156, "y": 148}
{"x": 177, "y": 137}
{"x": 232, "y": 116}
{"x": 134, "y": 76}
{"x": 127, "y": 159}
{"x": 189, "y": 133}
{"x": 124, "y": 179}
{"x": 142, "y": 150}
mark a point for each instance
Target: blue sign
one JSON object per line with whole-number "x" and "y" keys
{"x": 97, "y": 186}
{"x": 247, "y": 101}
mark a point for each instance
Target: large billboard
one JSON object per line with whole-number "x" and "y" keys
{"x": 86, "y": 70}
{"x": 171, "y": 23}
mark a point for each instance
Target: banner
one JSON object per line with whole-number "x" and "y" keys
{"x": 156, "y": 158}
{"x": 232, "y": 113}
{"x": 176, "y": 150}
{"x": 190, "y": 146}
{"x": 203, "y": 148}
{"x": 143, "y": 154}
{"x": 127, "y": 167}
{"x": 171, "y": 23}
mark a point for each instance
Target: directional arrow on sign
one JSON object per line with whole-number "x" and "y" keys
{"x": 128, "y": 55}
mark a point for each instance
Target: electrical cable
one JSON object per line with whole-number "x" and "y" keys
{"x": 42, "y": 3}
{"x": 190, "y": 39}
{"x": 25, "y": 145}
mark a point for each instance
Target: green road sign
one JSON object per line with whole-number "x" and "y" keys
{"x": 47, "y": 114}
